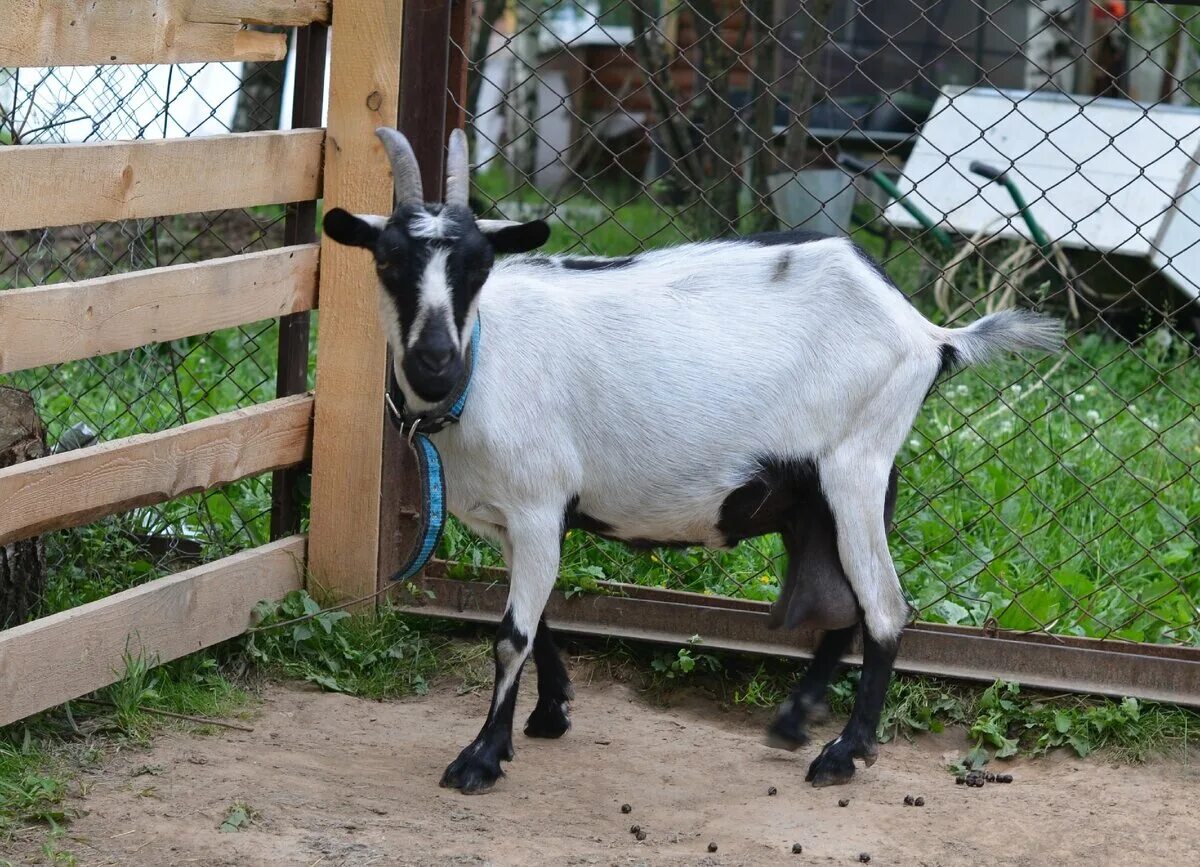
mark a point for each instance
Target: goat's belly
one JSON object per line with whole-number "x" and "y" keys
{"x": 666, "y": 522}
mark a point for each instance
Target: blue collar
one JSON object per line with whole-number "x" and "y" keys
{"x": 416, "y": 429}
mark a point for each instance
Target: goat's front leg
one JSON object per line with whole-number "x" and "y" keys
{"x": 535, "y": 545}
{"x": 807, "y": 704}
{"x": 550, "y": 718}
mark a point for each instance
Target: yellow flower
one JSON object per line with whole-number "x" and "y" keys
{"x": 765, "y": 579}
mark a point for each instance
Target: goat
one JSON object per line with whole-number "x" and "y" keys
{"x": 695, "y": 395}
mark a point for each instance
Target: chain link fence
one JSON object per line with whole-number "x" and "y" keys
{"x": 989, "y": 153}
{"x": 164, "y": 385}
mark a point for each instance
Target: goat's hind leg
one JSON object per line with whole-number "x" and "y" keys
{"x": 535, "y": 550}
{"x": 858, "y": 740}
{"x": 550, "y": 717}
{"x": 861, "y": 495}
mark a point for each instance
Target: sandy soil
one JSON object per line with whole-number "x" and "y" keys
{"x": 341, "y": 781}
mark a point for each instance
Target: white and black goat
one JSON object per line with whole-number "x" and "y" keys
{"x": 696, "y": 395}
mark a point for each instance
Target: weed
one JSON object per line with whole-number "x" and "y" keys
{"x": 378, "y": 655}
{"x": 136, "y": 688}
{"x": 30, "y": 791}
{"x": 762, "y": 690}
{"x": 238, "y": 817}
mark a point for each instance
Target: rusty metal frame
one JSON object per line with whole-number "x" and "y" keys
{"x": 1165, "y": 673}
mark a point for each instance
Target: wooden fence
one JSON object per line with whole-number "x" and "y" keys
{"x": 339, "y": 428}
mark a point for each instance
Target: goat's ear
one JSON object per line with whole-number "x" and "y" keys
{"x": 353, "y": 231}
{"x": 508, "y": 236}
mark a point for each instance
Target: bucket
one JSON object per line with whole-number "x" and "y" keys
{"x": 820, "y": 200}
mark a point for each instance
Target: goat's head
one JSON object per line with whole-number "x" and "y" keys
{"x": 432, "y": 261}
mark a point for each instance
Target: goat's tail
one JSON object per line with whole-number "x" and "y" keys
{"x": 1006, "y": 331}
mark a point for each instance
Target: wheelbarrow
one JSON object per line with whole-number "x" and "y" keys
{"x": 861, "y": 167}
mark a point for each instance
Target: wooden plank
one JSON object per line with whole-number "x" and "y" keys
{"x": 77, "y": 487}
{"x": 87, "y": 32}
{"x": 66, "y": 184}
{"x": 348, "y": 432}
{"x": 69, "y": 321}
{"x": 66, "y": 655}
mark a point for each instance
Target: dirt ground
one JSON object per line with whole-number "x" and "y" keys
{"x": 342, "y": 781}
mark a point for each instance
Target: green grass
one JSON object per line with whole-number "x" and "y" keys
{"x": 385, "y": 655}
{"x": 1044, "y": 495}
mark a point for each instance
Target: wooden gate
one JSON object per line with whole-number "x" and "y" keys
{"x": 340, "y": 427}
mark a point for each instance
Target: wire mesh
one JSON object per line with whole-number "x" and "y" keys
{"x": 1056, "y": 495}
{"x": 163, "y": 385}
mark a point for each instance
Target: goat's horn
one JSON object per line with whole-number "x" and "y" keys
{"x": 404, "y": 167}
{"x": 458, "y": 170}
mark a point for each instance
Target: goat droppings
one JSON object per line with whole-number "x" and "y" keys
{"x": 919, "y": 802}
{"x": 640, "y": 836}
{"x": 635, "y": 829}
{"x": 908, "y": 800}
{"x": 712, "y": 847}
{"x": 844, "y": 802}
{"x": 864, "y": 857}
{"x": 797, "y": 849}
{"x": 625, "y": 808}
{"x": 772, "y": 791}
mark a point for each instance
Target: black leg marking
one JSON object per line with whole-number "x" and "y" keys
{"x": 835, "y": 764}
{"x": 550, "y": 717}
{"x": 807, "y": 704}
{"x": 478, "y": 766}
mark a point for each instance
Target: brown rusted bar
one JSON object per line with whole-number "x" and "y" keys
{"x": 1153, "y": 672}
{"x": 300, "y": 227}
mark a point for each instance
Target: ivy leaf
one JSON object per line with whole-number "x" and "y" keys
{"x": 1007, "y": 748}
{"x": 976, "y": 758}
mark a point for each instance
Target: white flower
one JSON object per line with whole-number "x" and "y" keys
{"x": 1092, "y": 416}
{"x": 1079, "y": 398}
{"x": 1016, "y": 389}
{"x": 1151, "y": 422}
{"x": 1089, "y": 389}
{"x": 961, "y": 389}
{"x": 915, "y": 443}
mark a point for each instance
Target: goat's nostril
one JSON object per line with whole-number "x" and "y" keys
{"x": 435, "y": 360}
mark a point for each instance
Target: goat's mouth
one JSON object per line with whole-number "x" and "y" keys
{"x": 433, "y": 380}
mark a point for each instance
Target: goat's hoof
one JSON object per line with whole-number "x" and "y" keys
{"x": 548, "y": 720}
{"x": 471, "y": 773}
{"x": 789, "y": 730}
{"x": 835, "y": 765}
{"x": 782, "y": 737}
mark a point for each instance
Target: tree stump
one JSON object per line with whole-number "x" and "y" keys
{"x": 22, "y": 564}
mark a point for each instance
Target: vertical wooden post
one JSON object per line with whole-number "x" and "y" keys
{"x": 422, "y": 110}
{"x": 364, "y": 93}
{"x": 300, "y": 227}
